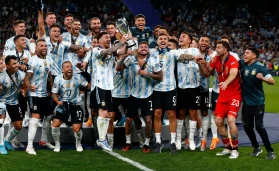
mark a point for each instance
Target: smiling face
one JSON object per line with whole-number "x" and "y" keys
{"x": 12, "y": 66}
{"x": 54, "y": 34}
{"x": 20, "y": 28}
{"x": 95, "y": 26}
{"x": 249, "y": 57}
{"x": 68, "y": 21}
{"x": 21, "y": 42}
{"x": 220, "y": 50}
{"x": 67, "y": 69}
{"x": 41, "y": 48}
{"x": 75, "y": 28}
{"x": 163, "y": 41}
{"x": 50, "y": 19}
{"x": 104, "y": 41}
{"x": 111, "y": 30}
{"x": 184, "y": 39}
{"x": 143, "y": 49}
{"x": 204, "y": 43}
{"x": 140, "y": 23}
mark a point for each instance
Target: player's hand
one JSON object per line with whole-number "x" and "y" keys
{"x": 79, "y": 65}
{"x": 59, "y": 103}
{"x": 23, "y": 92}
{"x": 223, "y": 85}
{"x": 260, "y": 76}
{"x": 143, "y": 72}
{"x": 23, "y": 67}
{"x": 199, "y": 60}
{"x": 124, "y": 38}
{"x": 33, "y": 88}
{"x": 81, "y": 52}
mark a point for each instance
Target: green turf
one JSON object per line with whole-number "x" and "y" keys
{"x": 271, "y": 95}
{"x": 99, "y": 160}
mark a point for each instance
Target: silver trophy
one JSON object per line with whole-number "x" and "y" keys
{"x": 123, "y": 28}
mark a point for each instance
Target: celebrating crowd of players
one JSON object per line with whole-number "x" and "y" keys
{"x": 67, "y": 71}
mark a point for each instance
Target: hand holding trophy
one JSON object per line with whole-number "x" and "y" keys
{"x": 123, "y": 28}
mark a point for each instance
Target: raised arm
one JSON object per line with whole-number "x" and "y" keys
{"x": 41, "y": 24}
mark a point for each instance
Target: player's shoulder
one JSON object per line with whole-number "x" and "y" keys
{"x": 235, "y": 55}
{"x": 259, "y": 64}
{"x": 21, "y": 74}
{"x": 147, "y": 29}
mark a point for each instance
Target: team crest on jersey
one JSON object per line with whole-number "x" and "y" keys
{"x": 253, "y": 72}
{"x": 227, "y": 70}
{"x": 147, "y": 34}
{"x": 68, "y": 85}
{"x": 246, "y": 72}
{"x": 103, "y": 103}
{"x": 54, "y": 85}
{"x": 45, "y": 63}
{"x": 35, "y": 107}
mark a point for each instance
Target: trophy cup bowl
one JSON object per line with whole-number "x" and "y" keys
{"x": 123, "y": 27}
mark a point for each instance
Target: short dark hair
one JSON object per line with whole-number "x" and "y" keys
{"x": 189, "y": 35}
{"x": 50, "y": 13}
{"x": 18, "y": 36}
{"x": 195, "y": 39}
{"x": 111, "y": 23}
{"x": 40, "y": 40}
{"x": 255, "y": 51}
{"x": 54, "y": 25}
{"x": 75, "y": 20}
{"x": 139, "y": 16}
{"x": 164, "y": 28}
{"x": 65, "y": 63}
{"x": 157, "y": 26}
{"x": 17, "y": 22}
{"x": 226, "y": 37}
{"x": 9, "y": 58}
{"x": 163, "y": 34}
{"x": 224, "y": 44}
{"x": 101, "y": 35}
{"x": 143, "y": 42}
{"x": 68, "y": 15}
{"x": 204, "y": 35}
{"x": 174, "y": 41}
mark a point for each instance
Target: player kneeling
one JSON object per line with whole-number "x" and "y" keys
{"x": 65, "y": 94}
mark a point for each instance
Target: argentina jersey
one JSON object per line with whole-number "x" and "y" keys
{"x": 20, "y": 56}
{"x": 9, "y": 94}
{"x": 91, "y": 68}
{"x": 104, "y": 69}
{"x": 188, "y": 72}
{"x": 56, "y": 52}
{"x": 205, "y": 81}
{"x": 40, "y": 69}
{"x": 68, "y": 90}
{"x": 10, "y": 45}
{"x": 70, "y": 55}
{"x": 142, "y": 86}
{"x": 166, "y": 59}
{"x": 122, "y": 81}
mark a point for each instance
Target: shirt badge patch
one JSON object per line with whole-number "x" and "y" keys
{"x": 246, "y": 72}
{"x": 103, "y": 103}
{"x": 253, "y": 72}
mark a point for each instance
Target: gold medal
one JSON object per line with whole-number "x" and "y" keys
{"x": 101, "y": 62}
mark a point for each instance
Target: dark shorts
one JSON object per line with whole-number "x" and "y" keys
{"x": 164, "y": 100}
{"x": 135, "y": 103}
{"x": 213, "y": 101}
{"x": 14, "y": 112}
{"x": 75, "y": 115}
{"x": 188, "y": 98}
{"x": 41, "y": 105}
{"x": 204, "y": 101}
{"x": 93, "y": 100}
{"x": 104, "y": 99}
{"x": 120, "y": 101}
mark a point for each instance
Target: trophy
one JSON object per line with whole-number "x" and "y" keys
{"x": 123, "y": 28}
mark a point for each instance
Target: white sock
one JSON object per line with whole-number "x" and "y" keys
{"x": 205, "y": 124}
{"x": 193, "y": 126}
{"x": 186, "y": 120}
{"x": 128, "y": 139}
{"x": 2, "y": 135}
{"x": 110, "y": 137}
{"x": 158, "y": 137}
{"x": 33, "y": 124}
{"x": 147, "y": 140}
{"x": 78, "y": 136}
{"x": 179, "y": 129}
{"x": 173, "y": 136}
{"x": 102, "y": 124}
{"x": 199, "y": 132}
{"x": 56, "y": 135}
{"x": 12, "y": 133}
{"x": 46, "y": 128}
{"x": 213, "y": 127}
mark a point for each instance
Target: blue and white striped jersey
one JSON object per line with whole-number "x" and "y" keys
{"x": 102, "y": 70}
{"x": 188, "y": 71}
{"x": 205, "y": 82}
{"x": 69, "y": 89}
{"x": 10, "y": 91}
{"x": 20, "y": 56}
{"x": 122, "y": 82}
{"x": 215, "y": 86}
{"x": 71, "y": 56}
{"x": 56, "y": 52}
{"x": 166, "y": 59}
{"x": 142, "y": 86}
{"x": 10, "y": 45}
{"x": 40, "y": 68}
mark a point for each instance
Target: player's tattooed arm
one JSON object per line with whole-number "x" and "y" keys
{"x": 121, "y": 66}
{"x": 186, "y": 57}
{"x": 26, "y": 81}
{"x": 41, "y": 24}
{"x": 55, "y": 99}
{"x": 111, "y": 50}
{"x": 156, "y": 75}
{"x": 49, "y": 80}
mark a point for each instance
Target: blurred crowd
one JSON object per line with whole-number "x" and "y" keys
{"x": 248, "y": 24}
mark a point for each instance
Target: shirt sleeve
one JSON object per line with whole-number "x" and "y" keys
{"x": 127, "y": 62}
{"x": 31, "y": 66}
{"x": 265, "y": 73}
{"x": 83, "y": 82}
{"x": 55, "y": 87}
{"x": 213, "y": 62}
{"x": 234, "y": 63}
